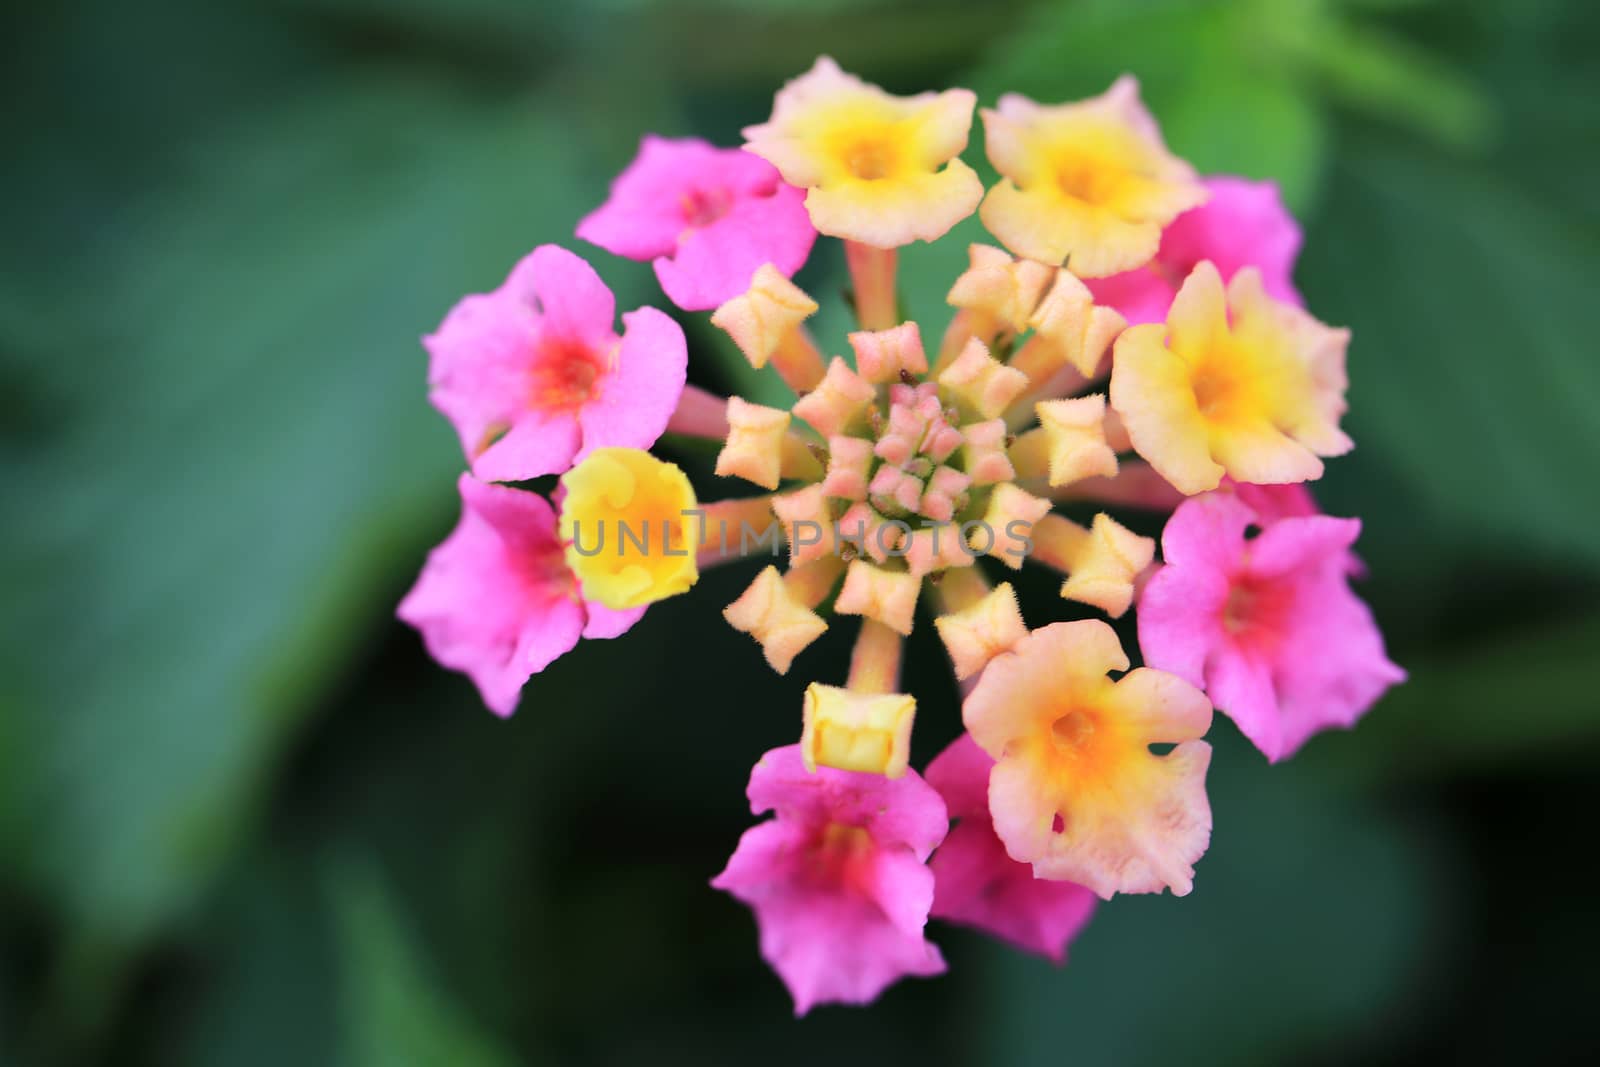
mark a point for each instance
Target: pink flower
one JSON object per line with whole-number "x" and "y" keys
{"x": 1269, "y": 625}
{"x": 1243, "y": 224}
{"x": 534, "y": 376}
{"x": 708, "y": 217}
{"x": 839, "y": 880}
{"x": 1291, "y": 501}
{"x": 496, "y": 601}
{"x": 977, "y": 884}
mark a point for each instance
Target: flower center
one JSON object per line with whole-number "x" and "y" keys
{"x": 544, "y": 571}
{"x": 563, "y": 376}
{"x": 1073, "y": 731}
{"x": 870, "y": 160}
{"x": 1088, "y": 180}
{"x": 1255, "y": 610}
{"x": 912, "y": 447}
{"x": 702, "y": 207}
{"x": 839, "y": 857}
{"x": 1222, "y": 391}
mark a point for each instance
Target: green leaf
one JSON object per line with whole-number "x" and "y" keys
{"x": 247, "y": 453}
{"x": 1232, "y": 121}
{"x": 393, "y": 1009}
{"x": 1472, "y": 364}
{"x": 1515, "y": 697}
{"x": 1308, "y": 922}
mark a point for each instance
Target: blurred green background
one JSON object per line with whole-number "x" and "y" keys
{"x": 243, "y": 820}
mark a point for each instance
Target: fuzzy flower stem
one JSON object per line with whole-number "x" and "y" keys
{"x": 875, "y": 663}
{"x": 1063, "y": 381}
{"x": 961, "y": 587}
{"x": 699, "y": 414}
{"x": 872, "y": 274}
{"x": 728, "y": 528}
{"x": 798, "y": 458}
{"x": 1030, "y": 456}
{"x": 965, "y": 324}
{"x": 1136, "y": 485}
{"x": 799, "y": 361}
{"x": 1057, "y": 542}
{"x": 810, "y": 583}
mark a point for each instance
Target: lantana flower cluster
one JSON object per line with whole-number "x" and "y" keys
{"x": 1132, "y": 341}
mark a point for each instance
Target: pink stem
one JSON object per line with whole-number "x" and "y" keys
{"x": 700, "y": 414}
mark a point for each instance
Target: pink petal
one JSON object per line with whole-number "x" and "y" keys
{"x": 572, "y": 301}
{"x": 651, "y": 201}
{"x": 1141, "y": 295}
{"x": 640, "y": 394}
{"x": 1180, "y": 619}
{"x": 708, "y": 217}
{"x": 960, "y": 774}
{"x": 1206, "y": 531}
{"x": 607, "y": 622}
{"x": 714, "y": 263}
{"x": 1285, "y": 646}
{"x": 839, "y": 949}
{"x": 839, "y": 928}
{"x": 1293, "y": 546}
{"x": 492, "y": 600}
{"x": 1243, "y": 224}
{"x": 894, "y": 811}
{"x": 478, "y": 365}
{"x": 978, "y": 885}
{"x": 541, "y": 442}
{"x": 1332, "y": 666}
{"x": 1240, "y": 685}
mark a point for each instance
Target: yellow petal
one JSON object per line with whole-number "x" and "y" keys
{"x": 627, "y": 523}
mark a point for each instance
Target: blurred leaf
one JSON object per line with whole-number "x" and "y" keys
{"x": 1232, "y": 122}
{"x": 1472, "y": 365}
{"x": 271, "y": 994}
{"x": 252, "y": 453}
{"x": 1521, "y": 695}
{"x": 1311, "y": 917}
{"x": 392, "y": 1008}
{"x": 1391, "y": 77}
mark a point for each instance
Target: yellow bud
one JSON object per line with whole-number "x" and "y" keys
{"x": 982, "y": 630}
{"x": 770, "y": 612}
{"x": 760, "y": 319}
{"x": 1075, "y": 436}
{"x": 854, "y": 731}
{"x": 985, "y": 386}
{"x": 754, "y": 448}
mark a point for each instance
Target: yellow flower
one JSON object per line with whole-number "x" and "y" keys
{"x": 1235, "y": 383}
{"x": 1089, "y": 183}
{"x": 880, "y": 169}
{"x": 629, "y": 528}
{"x": 1076, "y": 790}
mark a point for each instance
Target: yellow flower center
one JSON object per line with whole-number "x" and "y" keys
{"x": 1084, "y": 746}
{"x": 1091, "y": 180}
{"x": 627, "y": 526}
{"x": 870, "y": 160}
{"x": 1073, "y": 731}
{"x": 870, "y": 149}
